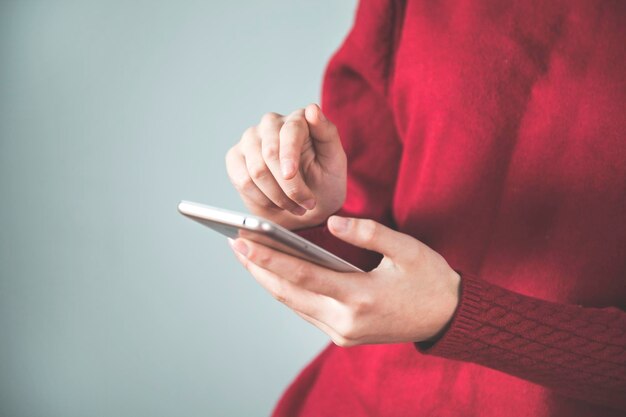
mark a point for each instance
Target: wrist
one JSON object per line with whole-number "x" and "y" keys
{"x": 449, "y": 303}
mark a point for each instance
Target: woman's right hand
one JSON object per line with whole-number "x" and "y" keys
{"x": 290, "y": 169}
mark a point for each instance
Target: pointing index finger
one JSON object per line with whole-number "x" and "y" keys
{"x": 293, "y": 135}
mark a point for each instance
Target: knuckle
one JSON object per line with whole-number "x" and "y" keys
{"x": 249, "y": 134}
{"x": 301, "y": 273}
{"x": 266, "y": 203}
{"x": 233, "y": 156}
{"x": 293, "y": 193}
{"x": 368, "y": 230}
{"x": 242, "y": 183}
{"x": 258, "y": 171}
{"x": 285, "y": 203}
{"x": 248, "y": 185}
{"x": 258, "y": 256}
{"x": 361, "y": 304}
{"x": 270, "y": 117}
{"x": 264, "y": 258}
{"x": 294, "y": 123}
{"x": 269, "y": 151}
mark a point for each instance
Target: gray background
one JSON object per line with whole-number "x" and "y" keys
{"x": 111, "y": 303}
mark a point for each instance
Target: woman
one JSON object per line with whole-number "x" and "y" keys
{"x": 486, "y": 162}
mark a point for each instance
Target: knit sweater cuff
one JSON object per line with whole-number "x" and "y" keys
{"x": 577, "y": 351}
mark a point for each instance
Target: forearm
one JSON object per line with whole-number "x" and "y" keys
{"x": 576, "y": 351}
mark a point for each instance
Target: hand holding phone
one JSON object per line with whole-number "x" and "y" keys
{"x": 234, "y": 225}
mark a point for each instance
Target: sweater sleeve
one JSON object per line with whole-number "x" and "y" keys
{"x": 576, "y": 351}
{"x": 354, "y": 98}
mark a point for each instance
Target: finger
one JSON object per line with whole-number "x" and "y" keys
{"x": 304, "y": 274}
{"x": 293, "y": 135}
{"x": 324, "y": 133}
{"x": 281, "y": 150}
{"x": 372, "y": 235}
{"x": 239, "y": 177}
{"x": 262, "y": 176}
{"x": 294, "y": 297}
{"x": 270, "y": 133}
{"x": 328, "y": 306}
{"x": 269, "y": 130}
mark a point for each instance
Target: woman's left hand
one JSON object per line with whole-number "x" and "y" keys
{"x": 410, "y": 297}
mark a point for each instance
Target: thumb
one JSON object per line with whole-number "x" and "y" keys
{"x": 323, "y": 132}
{"x": 371, "y": 235}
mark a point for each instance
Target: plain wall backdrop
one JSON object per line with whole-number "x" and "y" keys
{"x": 111, "y": 303}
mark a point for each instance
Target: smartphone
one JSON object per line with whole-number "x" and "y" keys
{"x": 234, "y": 225}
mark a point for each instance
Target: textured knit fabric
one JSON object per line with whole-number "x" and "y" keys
{"x": 495, "y": 132}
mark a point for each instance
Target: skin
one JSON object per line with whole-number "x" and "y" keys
{"x": 292, "y": 170}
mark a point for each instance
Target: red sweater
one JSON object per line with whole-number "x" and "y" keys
{"x": 495, "y": 132}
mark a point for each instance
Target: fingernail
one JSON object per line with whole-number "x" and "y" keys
{"x": 339, "y": 224}
{"x": 240, "y": 247}
{"x": 308, "y": 204}
{"x": 287, "y": 167}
